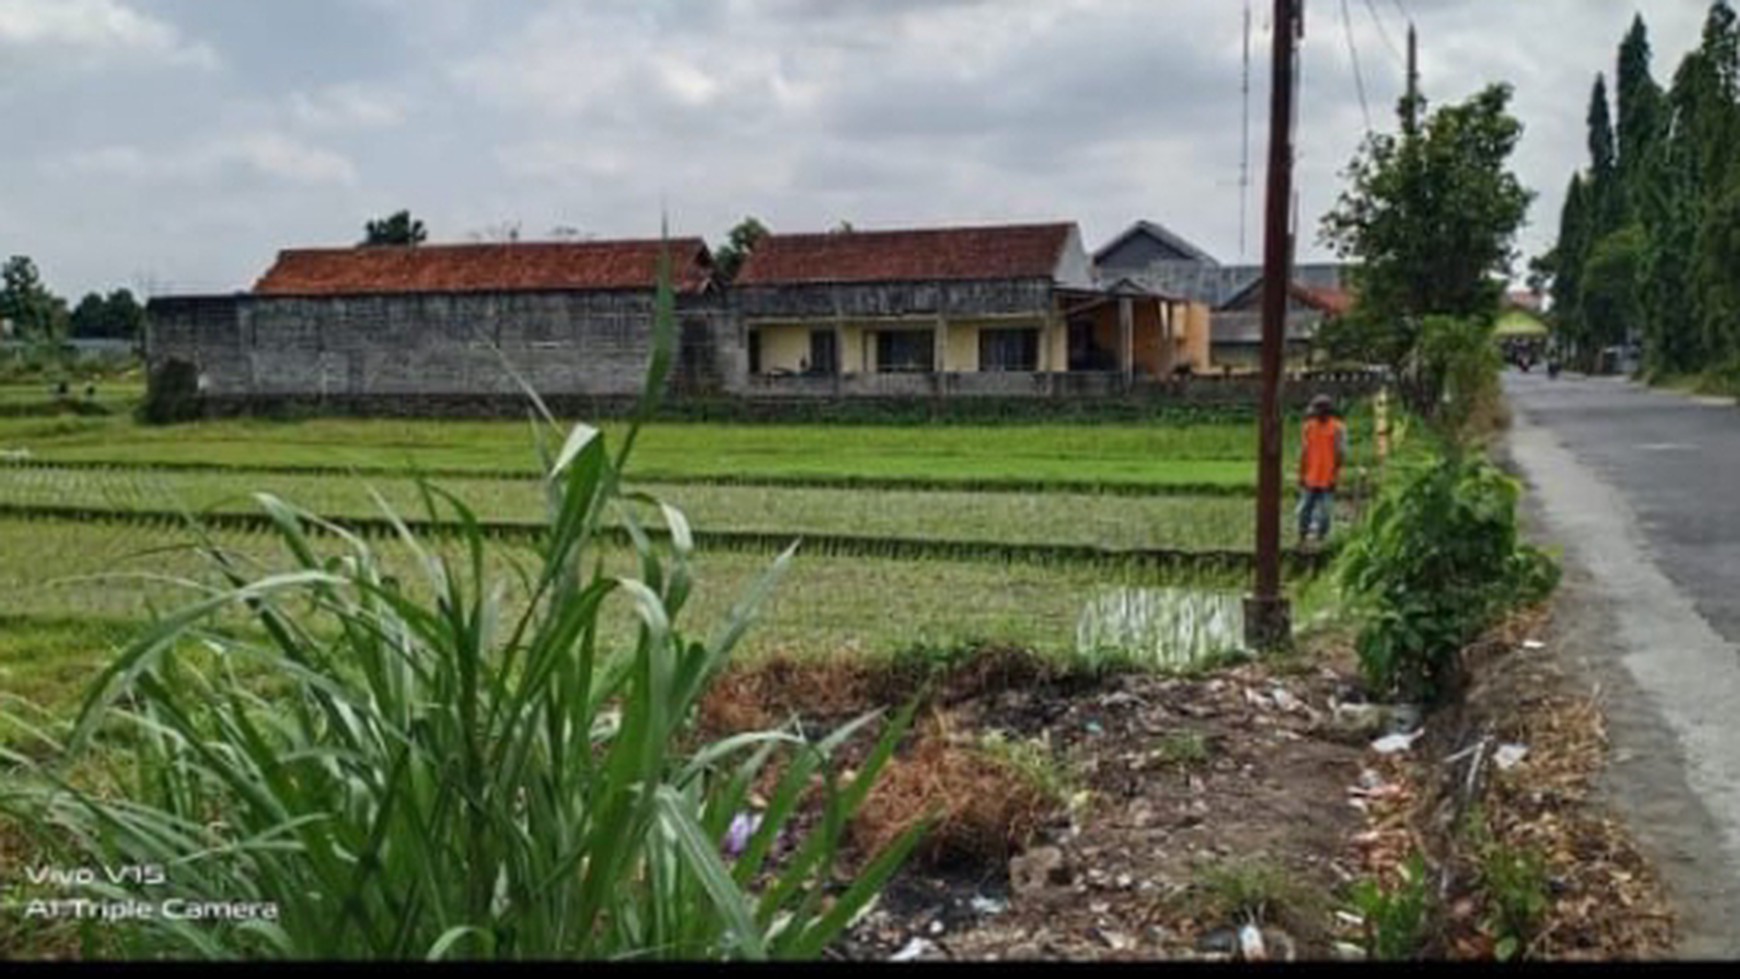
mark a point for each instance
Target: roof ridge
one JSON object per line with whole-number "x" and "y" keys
{"x": 457, "y": 245}
{"x": 933, "y": 229}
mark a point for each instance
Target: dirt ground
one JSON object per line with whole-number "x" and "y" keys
{"x": 1178, "y": 810}
{"x": 1142, "y": 817}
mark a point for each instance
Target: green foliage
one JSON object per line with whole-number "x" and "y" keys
{"x": 1642, "y": 115}
{"x": 398, "y": 228}
{"x": 1515, "y": 885}
{"x": 1035, "y": 762}
{"x": 728, "y": 258}
{"x": 1437, "y": 562}
{"x": 1185, "y": 749}
{"x": 1569, "y": 256}
{"x": 465, "y": 765}
{"x": 1395, "y": 919}
{"x": 1650, "y": 236}
{"x": 1432, "y": 220}
{"x": 1607, "y": 204}
{"x": 172, "y": 395}
{"x": 1254, "y": 889}
{"x": 38, "y": 316}
{"x": 117, "y": 316}
{"x": 1610, "y": 302}
{"x": 1457, "y": 375}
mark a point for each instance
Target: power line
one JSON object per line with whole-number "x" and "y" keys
{"x": 1384, "y": 31}
{"x": 1245, "y": 159}
{"x": 1353, "y": 54}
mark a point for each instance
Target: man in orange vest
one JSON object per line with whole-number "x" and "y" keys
{"x": 1320, "y": 462}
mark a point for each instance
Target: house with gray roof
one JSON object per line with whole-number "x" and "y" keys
{"x": 1156, "y": 258}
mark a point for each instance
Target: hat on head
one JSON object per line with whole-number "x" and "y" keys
{"x": 1322, "y": 405}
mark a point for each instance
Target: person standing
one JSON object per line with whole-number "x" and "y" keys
{"x": 1320, "y": 462}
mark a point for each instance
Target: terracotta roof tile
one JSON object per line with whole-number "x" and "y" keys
{"x": 1005, "y": 252}
{"x": 1335, "y": 302}
{"x": 515, "y": 267}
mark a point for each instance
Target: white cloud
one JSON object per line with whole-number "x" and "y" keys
{"x": 349, "y": 106}
{"x": 268, "y": 154}
{"x": 98, "y": 31}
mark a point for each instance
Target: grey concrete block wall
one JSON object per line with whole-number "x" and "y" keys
{"x": 561, "y": 343}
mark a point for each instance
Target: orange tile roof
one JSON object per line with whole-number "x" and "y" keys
{"x": 1000, "y": 252}
{"x": 1335, "y": 302}
{"x": 512, "y": 267}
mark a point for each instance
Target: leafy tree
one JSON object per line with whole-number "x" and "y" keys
{"x": 38, "y": 315}
{"x": 117, "y": 316}
{"x": 1432, "y": 220}
{"x": 728, "y": 259}
{"x": 1710, "y": 101}
{"x": 1670, "y": 309}
{"x": 1610, "y": 301}
{"x": 395, "y": 229}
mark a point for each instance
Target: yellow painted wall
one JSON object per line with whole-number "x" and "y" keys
{"x": 1055, "y": 348}
{"x": 784, "y": 348}
{"x": 1197, "y": 337}
{"x": 963, "y": 348}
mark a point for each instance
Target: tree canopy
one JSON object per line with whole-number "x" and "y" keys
{"x": 729, "y": 257}
{"x": 37, "y": 315}
{"x": 1650, "y": 236}
{"x": 117, "y": 316}
{"x": 395, "y": 229}
{"x": 1432, "y": 220}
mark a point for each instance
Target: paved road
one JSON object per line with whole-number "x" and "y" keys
{"x": 1642, "y": 491}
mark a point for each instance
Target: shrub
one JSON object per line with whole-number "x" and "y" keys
{"x": 440, "y": 772}
{"x": 1515, "y": 885}
{"x": 1436, "y": 563}
{"x": 1395, "y": 918}
{"x": 1458, "y": 375}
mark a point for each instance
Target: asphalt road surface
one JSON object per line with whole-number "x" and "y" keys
{"x": 1641, "y": 491}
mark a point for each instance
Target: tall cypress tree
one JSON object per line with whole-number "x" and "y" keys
{"x": 1606, "y": 205}
{"x": 1710, "y": 111}
{"x": 1570, "y": 256}
{"x": 1641, "y": 116}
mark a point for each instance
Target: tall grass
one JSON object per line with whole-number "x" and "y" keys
{"x": 445, "y": 776}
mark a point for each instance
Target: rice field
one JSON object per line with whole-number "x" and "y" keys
{"x": 1186, "y": 523}
{"x": 91, "y": 582}
{"x": 1206, "y": 456}
{"x": 928, "y": 508}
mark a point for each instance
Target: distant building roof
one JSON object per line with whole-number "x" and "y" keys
{"x": 514, "y": 267}
{"x": 1524, "y": 300}
{"x": 1161, "y": 235}
{"x": 1328, "y": 300}
{"x": 1032, "y": 251}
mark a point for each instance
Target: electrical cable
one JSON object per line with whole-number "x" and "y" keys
{"x": 1358, "y": 75}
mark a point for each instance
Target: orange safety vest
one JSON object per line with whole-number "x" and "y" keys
{"x": 1320, "y": 469}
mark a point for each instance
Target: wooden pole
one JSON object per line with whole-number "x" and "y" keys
{"x": 1268, "y": 622}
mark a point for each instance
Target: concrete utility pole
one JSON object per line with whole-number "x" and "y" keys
{"x": 1268, "y": 621}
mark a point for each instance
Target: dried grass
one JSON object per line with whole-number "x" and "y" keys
{"x": 984, "y": 810}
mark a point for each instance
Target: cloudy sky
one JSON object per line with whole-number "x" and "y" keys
{"x": 175, "y": 145}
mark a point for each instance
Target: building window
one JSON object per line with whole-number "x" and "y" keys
{"x": 906, "y": 352}
{"x": 754, "y": 351}
{"x": 1009, "y": 350}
